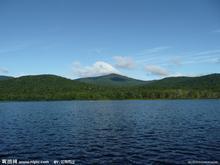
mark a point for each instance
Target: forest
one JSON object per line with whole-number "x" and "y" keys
{"x": 108, "y": 87}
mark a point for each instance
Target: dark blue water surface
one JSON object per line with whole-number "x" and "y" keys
{"x": 111, "y": 132}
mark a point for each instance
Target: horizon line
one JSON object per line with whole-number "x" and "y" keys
{"x": 48, "y": 74}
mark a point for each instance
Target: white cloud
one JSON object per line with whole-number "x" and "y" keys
{"x": 99, "y": 68}
{"x": 124, "y": 62}
{"x": 3, "y": 71}
{"x": 156, "y": 70}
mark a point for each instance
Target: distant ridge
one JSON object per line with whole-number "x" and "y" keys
{"x": 112, "y": 80}
{"x": 5, "y": 77}
{"x": 113, "y": 86}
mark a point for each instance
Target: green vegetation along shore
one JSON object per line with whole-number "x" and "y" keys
{"x": 113, "y": 86}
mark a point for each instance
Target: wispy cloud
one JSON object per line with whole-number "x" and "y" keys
{"x": 96, "y": 51}
{"x": 217, "y": 60}
{"x": 155, "y": 49}
{"x": 216, "y": 31}
{"x": 164, "y": 59}
{"x": 176, "y": 61}
{"x": 99, "y": 68}
{"x": 3, "y": 71}
{"x": 156, "y": 70}
{"x": 150, "y": 54}
{"x": 184, "y": 58}
{"x": 209, "y": 56}
{"x": 124, "y": 62}
{"x": 186, "y": 74}
{"x": 208, "y": 52}
{"x": 206, "y": 59}
{"x": 15, "y": 48}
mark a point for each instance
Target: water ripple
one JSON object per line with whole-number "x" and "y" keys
{"x": 111, "y": 132}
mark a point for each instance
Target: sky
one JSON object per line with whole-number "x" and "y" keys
{"x": 143, "y": 39}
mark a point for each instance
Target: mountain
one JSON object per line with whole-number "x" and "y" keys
{"x": 5, "y": 77}
{"x": 112, "y": 80}
{"x": 52, "y": 87}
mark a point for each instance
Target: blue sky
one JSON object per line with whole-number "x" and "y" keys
{"x": 143, "y": 39}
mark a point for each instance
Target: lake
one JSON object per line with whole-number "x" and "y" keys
{"x": 111, "y": 132}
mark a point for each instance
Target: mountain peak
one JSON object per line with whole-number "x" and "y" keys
{"x": 112, "y": 79}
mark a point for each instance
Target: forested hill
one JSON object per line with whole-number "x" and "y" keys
{"x": 51, "y": 87}
{"x": 211, "y": 81}
{"x": 44, "y": 87}
{"x": 183, "y": 87}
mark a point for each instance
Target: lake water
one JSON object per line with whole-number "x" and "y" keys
{"x": 111, "y": 132}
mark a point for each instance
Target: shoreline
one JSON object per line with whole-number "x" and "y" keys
{"x": 94, "y": 100}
